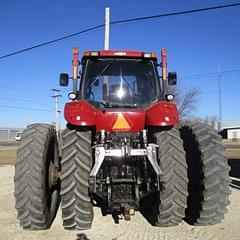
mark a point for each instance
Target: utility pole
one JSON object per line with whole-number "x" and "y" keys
{"x": 107, "y": 28}
{"x": 219, "y": 99}
{"x": 56, "y": 97}
{"x": 106, "y": 43}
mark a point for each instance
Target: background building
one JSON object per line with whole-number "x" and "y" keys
{"x": 231, "y": 133}
{"x": 9, "y": 134}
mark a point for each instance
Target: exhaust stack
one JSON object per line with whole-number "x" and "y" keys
{"x": 164, "y": 71}
{"x": 75, "y": 64}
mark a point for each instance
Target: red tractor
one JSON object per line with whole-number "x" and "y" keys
{"x": 123, "y": 150}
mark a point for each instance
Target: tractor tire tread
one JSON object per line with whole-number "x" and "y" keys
{"x": 207, "y": 204}
{"x": 30, "y": 171}
{"x": 173, "y": 198}
{"x": 77, "y": 210}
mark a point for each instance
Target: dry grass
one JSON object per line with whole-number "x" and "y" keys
{"x": 7, "y": 156}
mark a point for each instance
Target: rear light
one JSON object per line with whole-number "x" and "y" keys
{"x": 149, "y": 55}
{"x": 120, "y": 53}
{"x": 94, "y": 54}
{"x": 91, "y": 54}
{"x": 75, "y": 50}
{"x": 164, "y": 52}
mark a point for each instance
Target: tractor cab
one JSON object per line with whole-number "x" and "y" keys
{"x": 125, "y": 83}
{"x": 119, "y": 79}
{"x": 117, "y": 82}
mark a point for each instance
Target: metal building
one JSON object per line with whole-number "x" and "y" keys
{"x": 8, "y": 134}
{"x": 231, "y": 133}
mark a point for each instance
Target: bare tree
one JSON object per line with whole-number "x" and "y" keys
{"x": 212, "y": 121}
{"x": 186, "y": 101}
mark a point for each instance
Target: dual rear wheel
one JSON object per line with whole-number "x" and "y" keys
{"x": 195, "y": 177}
{"x": 208, "y": 174}
{"x": 37, "y": 188}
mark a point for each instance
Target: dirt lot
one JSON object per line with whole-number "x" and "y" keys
{"x": 103, "y": 227}
{"x": 232, "y": 149}
{"x": 8, "y": 152}
{"x": 7, "y": 156}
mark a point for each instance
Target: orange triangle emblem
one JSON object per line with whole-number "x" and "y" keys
{"x": 121, "y": 123}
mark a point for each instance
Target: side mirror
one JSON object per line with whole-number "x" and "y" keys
{"x": 172, "y": 78}
{"x": 63, "y": 79}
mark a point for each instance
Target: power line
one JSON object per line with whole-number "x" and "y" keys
{"x": 120, "y": 22}
{"x": 36, "y": 96}
{"x": 30, "y": 91}
{"x": 176, "y": 13}
{"x": 16, "y": 98}
{"x": 181, "y": 77}
{"x": 51, "y": 41}
{"x": 215, "y": 74}
{"x": 26, "y": 108}
{"x": 225, "y": 90}
{"x": 24, "y": 100}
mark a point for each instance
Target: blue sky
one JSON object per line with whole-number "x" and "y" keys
{"x": 197, "y": 43}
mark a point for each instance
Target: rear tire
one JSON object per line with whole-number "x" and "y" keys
{"x": 77, "y": 210}
{"x": 173, "y": 197}
{"x": 208, "y": 173}
{"x": 37, "y": 199}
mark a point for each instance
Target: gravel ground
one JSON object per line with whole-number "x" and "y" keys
{"x": 104, "y": 228}
{"x": 9, "y": 145}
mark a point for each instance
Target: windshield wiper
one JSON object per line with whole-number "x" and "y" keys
{"x": 95, "y": 79}
{"x": 106, "y": 67}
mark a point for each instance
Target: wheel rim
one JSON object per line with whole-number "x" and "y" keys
{"x": 52, "y": 181}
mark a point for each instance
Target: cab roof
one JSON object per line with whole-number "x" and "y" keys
{"x": 120, "y": 53}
